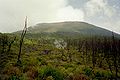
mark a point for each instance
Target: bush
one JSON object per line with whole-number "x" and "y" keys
{"x": 67, "y": 66}
{"x": 102, "y": 74}
{"x": 99, "y": 75}
{"x": 49, "y": 71}
{"x": 13, "y": 77}
{"x": 77, "y": 77}
{"x": 12, "y": 71}
{"x": 31, "y": 72}
{"x": 80, "y": 77}
{"x": 88, "y": 71}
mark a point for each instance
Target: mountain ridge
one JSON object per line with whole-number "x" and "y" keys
{"x": 72, "y": 27}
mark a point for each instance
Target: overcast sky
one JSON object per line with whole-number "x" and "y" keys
{"x": 103, "y": 13}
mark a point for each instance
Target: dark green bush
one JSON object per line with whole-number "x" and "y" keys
{"x": 13, "y": 77}
{"x": 99, "y": 75}
{"x": 49, "y": 71}
{"x": 67, "y": 66}
{"x": 88, "y": 71}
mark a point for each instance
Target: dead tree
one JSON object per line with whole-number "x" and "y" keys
{"x": 10, "y": 44}
{"x": 93, "y": 54}
{"x": 115, "y": 54}
{"x": 21, "y": 41}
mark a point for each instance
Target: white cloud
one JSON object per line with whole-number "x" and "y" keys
{"x": 13, "y": 12}
{"x": 70, "y": 14}
{"x": 112, "y": 25}
{"x": 101, "y": 13}
{"x": 94, "y": 7}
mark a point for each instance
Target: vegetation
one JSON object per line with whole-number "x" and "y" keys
{"x": 57, "y": 57}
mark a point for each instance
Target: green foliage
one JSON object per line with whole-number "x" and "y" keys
{"x": 67, "y": 66}
{"x": 30, "y": 42}
{"x": 41, "y": 59}
{"x": 102, "y": 74}
{"x": 98, "y": 75}
{"x": 49, "y": 71}
{"x": 6, "y": 49}
{"x": 13, "y": 77}
{"x": 88, "y": 71}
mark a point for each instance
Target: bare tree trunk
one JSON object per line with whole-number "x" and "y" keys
{"x": 93, "y": 54}
{"x": 21, "y": 41}
{"x": 114, "y": 51}
{"x": 9, "y": 46}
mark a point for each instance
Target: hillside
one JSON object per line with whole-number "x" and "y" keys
{"x": 70, "y": 28}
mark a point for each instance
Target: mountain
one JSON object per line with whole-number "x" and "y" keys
{"x": 70, "y": 29}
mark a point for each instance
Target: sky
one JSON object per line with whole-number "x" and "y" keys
{"x": 102, "y": 13}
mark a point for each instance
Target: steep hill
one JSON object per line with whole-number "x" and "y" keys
{"x": 70, "y": 29}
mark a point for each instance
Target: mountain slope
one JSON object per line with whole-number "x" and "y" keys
{"x": 70, "y": 29}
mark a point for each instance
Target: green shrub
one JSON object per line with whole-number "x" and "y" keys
{"x": 102, "y": 74}
{"x": 88, "y": 71}
{"x": 67, "y": 66}
{"x": 99, "y": 74}
{"x": 13, "y": 77}
{"x": 107, "y": 74}
{"x": 49, "y": 71}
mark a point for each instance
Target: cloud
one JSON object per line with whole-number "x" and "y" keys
{"x": 94, "y": 7}
{"x": 13, "y": 12}
{"x": 70, "y": 14}
{"x": 101, "y": 13}
{"x": 98, "y": 12}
